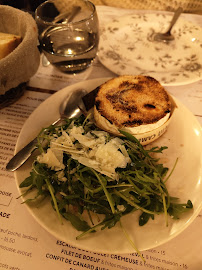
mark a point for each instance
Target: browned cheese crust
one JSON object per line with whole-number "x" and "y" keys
{"x": 132, "y": 101}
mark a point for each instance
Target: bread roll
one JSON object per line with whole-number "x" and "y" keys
{"x": 8, "y": 43}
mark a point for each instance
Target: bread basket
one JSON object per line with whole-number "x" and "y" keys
{"x": 22, "y": 63}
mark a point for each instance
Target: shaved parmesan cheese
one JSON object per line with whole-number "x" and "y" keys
{"x": 92, "y": 150}
{"x": 109, "y": 155}
{"x": 51, "y": 160}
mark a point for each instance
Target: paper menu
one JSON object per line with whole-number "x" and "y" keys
{"x": 24, "y": 244}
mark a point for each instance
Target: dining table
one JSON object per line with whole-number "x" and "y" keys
{"x": 24, "y": 243}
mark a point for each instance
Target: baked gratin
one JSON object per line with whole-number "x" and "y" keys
{"x": 136, "y": 104}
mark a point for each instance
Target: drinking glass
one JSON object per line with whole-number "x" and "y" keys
{"x": 68, "y": 33}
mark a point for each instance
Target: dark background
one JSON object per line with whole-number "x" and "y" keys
{"x": 29, "y": 5}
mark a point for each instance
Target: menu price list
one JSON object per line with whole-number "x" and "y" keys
{"x": 65, "y": 256}
{"x": 12, "y": 119}
{"x": 24, "y": 244}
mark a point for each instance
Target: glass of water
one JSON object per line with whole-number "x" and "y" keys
{"x": 68, "y": 33}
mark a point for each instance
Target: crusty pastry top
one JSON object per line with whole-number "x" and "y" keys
{"x": 132, "y": 101}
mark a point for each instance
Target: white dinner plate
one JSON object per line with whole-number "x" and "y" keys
{"x": 184, "y": 141}
{"x": 126, "y": 47}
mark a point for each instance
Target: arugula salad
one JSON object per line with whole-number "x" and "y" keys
{"x": 94, "y": 178}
